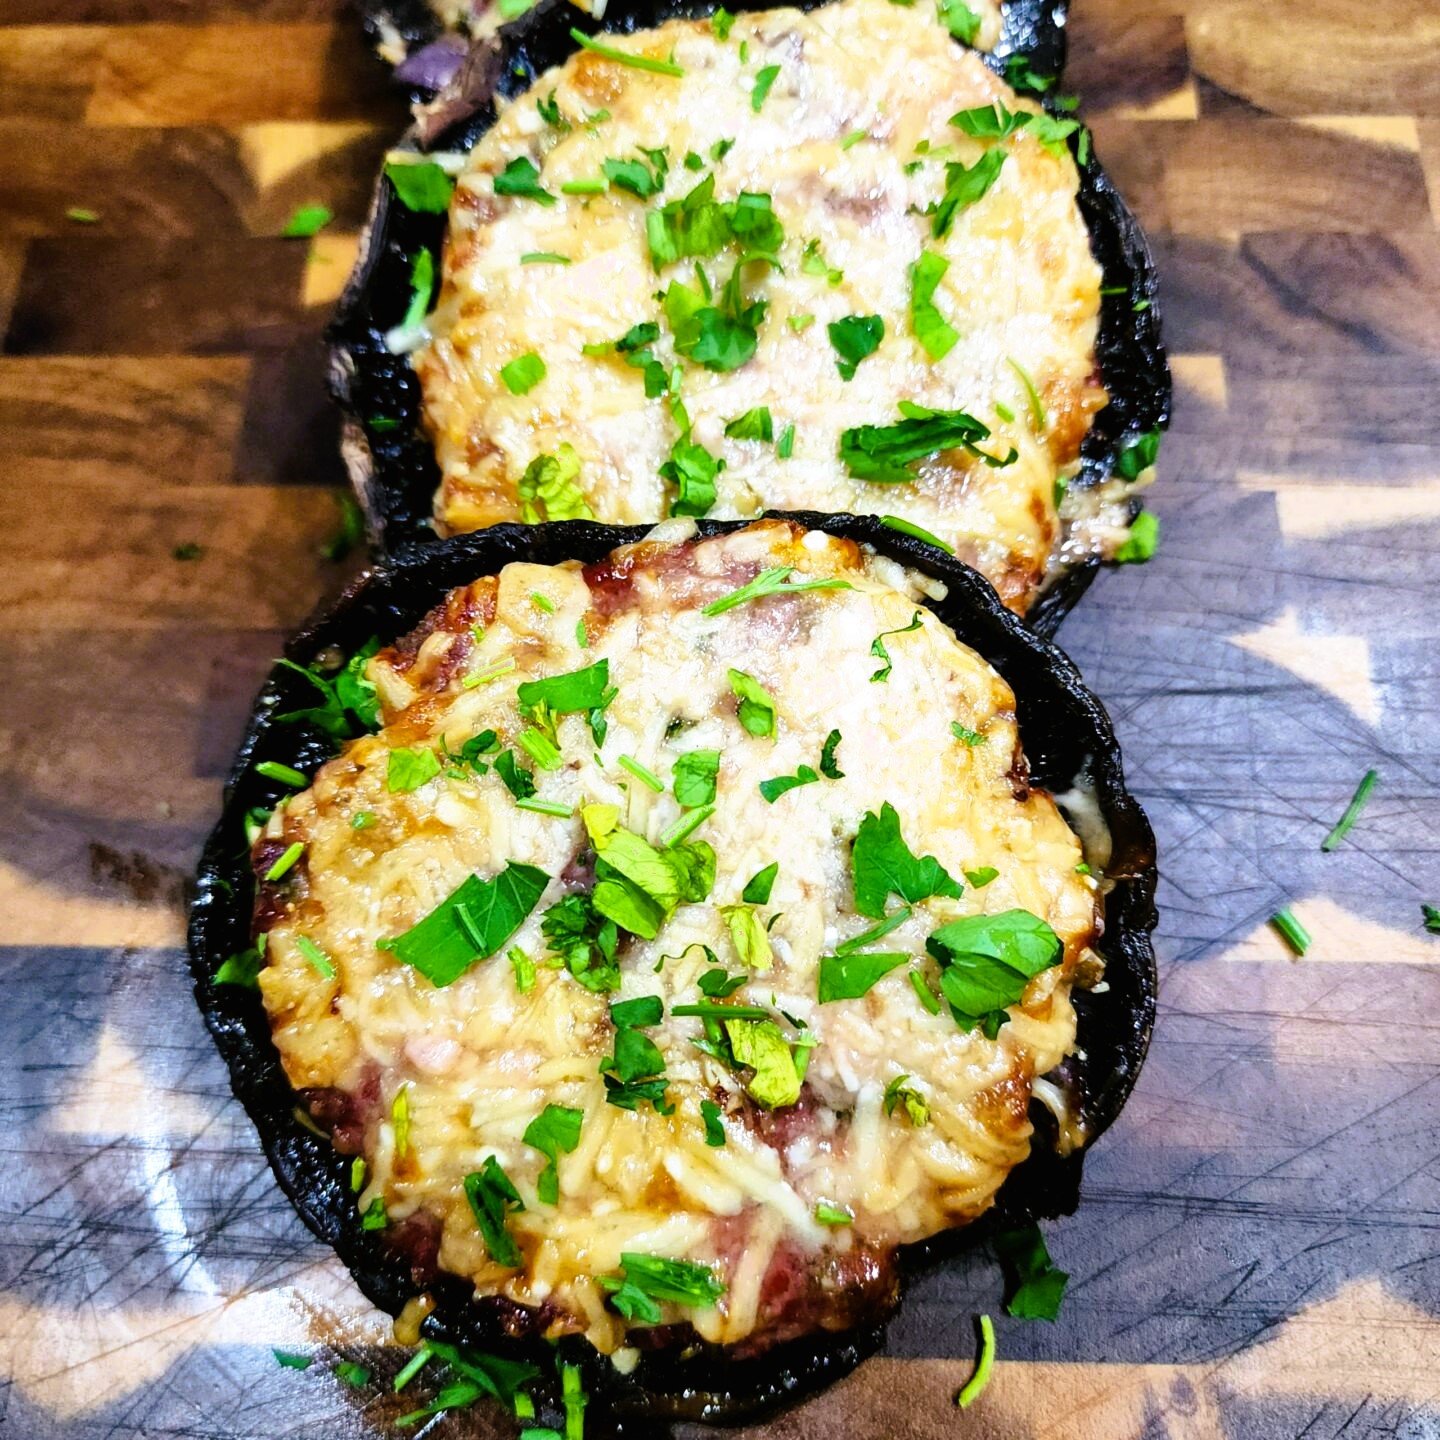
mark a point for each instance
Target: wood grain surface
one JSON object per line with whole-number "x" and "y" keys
{"x": 1256, "y": 1255}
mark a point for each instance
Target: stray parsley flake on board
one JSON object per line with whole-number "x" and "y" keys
{"x": 1035, "y": 1287}
{"x": 1348, "y": 819}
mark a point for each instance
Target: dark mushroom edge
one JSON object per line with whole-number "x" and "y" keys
{"x": 392, "y": 465}
{"x": 1067, "y": 739}
{"x": 1032, "y": 28}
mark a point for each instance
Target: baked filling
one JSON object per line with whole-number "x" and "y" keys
{"x": 687, "y": 938}
{"x": 834, "y": 263}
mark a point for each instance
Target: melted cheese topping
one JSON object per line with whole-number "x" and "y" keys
{"x": 479, "y": 1059}
{"x": 1022, "y": 288}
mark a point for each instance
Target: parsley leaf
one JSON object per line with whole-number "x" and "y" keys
{"x": 972, "y": 738}
{"x": 979, "y": 879}
{"x": 812, "y": 262}
{"x": 959, "y": 19}
{"x": 855, "y": 337}
{"x": 694, "y": 775}
{"x": 645, "y": 1279}
{"x": 424, "y": 188}
{"x": 884, "y": 453}
{"x": 754, "y": 424}
{"x": 1137, "y": 453}
{"x": 408, "y": 770}
{"x": 520, "y": 177}
{"x": 523, "y": 373}
{"x": 585, "y": 939}
{"x": 697, "y": 225}
{"x": 714, "y": 1130}
{"x": 243, "y": 969}
{"x": 756, "y": 709}
{"x": 878, "y": 650}
{"x": 828, "y": 768}
{"x": 473, "y": 922}
{"x": 764, "y": 79}
{"x": 988, "y": 961}
{"x": 570, "y": 692}
{"x": 937, "y": 338}
{"x": 964, "y": 185}
{"x": 625, "y": 57}
{"x": 492, "y": 1197}
{"x": 995, "y": 122}
{"x": 692, "y": 469}
{"x": 882, "y": 863}
{"x": 554, "y": 1131}
{"x": 516, "y": 779}
{"x": 847, "y": 977}
{"x": 1430, "y": 912}
{"x": 900, "y": 1092}
{"x": 749, "y": 936}
{"x": 720, "y": 23}
{"x": 547, "y": 490}
{"x": 308, "y": 220}
{"x": 634, "y": 176}
{"x": 349, "y": 705}
{"x": 1141, "y": 543}
{"x": 774, "y": 788}
{"x": 758, "y": 887}
{"x": 760, "y": 1045}
{"x": 635, "y": 1071}
{"x": 1021, "y": 75}
{"x": 1036, "y": 1286}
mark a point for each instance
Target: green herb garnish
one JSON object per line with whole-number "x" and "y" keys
{"x": 424, "y": 188}
{"x": 1035, "y": 1286}
{"x": 307, "y": 220}
{"x": 523, "y": 373}
{"x": 766, "y": 583}
{"x": 644, "y": 1279}
{"x": 855, "y": 337}
{"x": 522, "y": 179}
{"x": 554, "y": 1131}
{"x": 1142, "y": 541}
{"x": 848, "y": 977}
{"x": 936, "y": 336}
{"x": 625, "y": 57}
{"x": 761, "y": 883}
{"x": 754, "y": 424}
{"x": 908, "y": 527}
{"x": 315, "y": 957}
{"x": 959, "y": 19}
{"x": 408, "y": 770}
{"x": 878, "y": 650}
{"x": 964, "y": 186}
{"x": 694, "y": 777}
{"x": 988, "y": 961}
{"x": 984, "y": 1364}
{"x": 901, "y": 1092}
{"x": 1296, "y": 936}
{"x": 1348, "y": 819}
{"x": 714, "y": 1130}
{"x": 885, "y": 453}
{"x": 882, "y": 863}
{"x": 492, "y": 1197}
{"x": 828, "y": 1214}
{"x": 756, "y": 709}
{"x": 764, "y": 79}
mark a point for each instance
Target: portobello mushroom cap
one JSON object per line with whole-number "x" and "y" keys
{"x": 1072, "y": 753}
{"x": 391, "y": 460}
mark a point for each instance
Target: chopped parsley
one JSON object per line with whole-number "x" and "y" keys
{"x": 625, "y": 57}
{"x": 937, "y": 337}
{"x": 544, "y": 257}
{"x": 972, "y": 738}
{"x": 759, "y": 1045}
{"x": 770, "y": 582}
{"x": 786, "y": 446}
{"x": 470, "y": 924}
{"x": 754, "y": 424}
{"x": 995, "y": 122}
{"x": 1296, "y": 936}
{"x": 692, "y": 469}
{"x": 522, "y": 179}
{"x": 635, "y": 1071}
{"x": 575, "y": 690}
{"x": 714, "y": 1130}
{"x": 307, "y": 220}
{"x": 243, "y": 969}
{"x": 424, "y": 187}
{"x": 901, "y": 1092}
{"x": 875, "y": 932}
{"x": 878, "y": 650}
{"x": 716, "y": 983}
{"x": 720, "y": 337}
{"x": 408, "y": 770}
{"x": 549, "y": 109}
{"x": 1430, "y": 912}
{"x": 1021, "y": 75}
{"x": 519, "y": 781}
{"x": 1035, "y": 1286}
{"x": 855, "y": 338}
{"x": 848, "y": 977}
{"x": 492, "y": 1197}
{"x": 548, "y": 490}
{"x": 635, "y": 176}
{"x": 1143, "y": 540}
{"x": 828, "y": 766}
{"x": 292, "y": 1361}
{"x": 749, "y": 936}
{"x": 637, "y": 886}
{"x": 756, "y": 709}
{"x": 479, "y": 1375}
{"x": 987, "y": 962}
{"x": 884, "y": 453}
{"x": 971, "y": 1390}
{"x": 349, "y": 705}
{"x": 779, "y": 785}
{"x": 374, "y": 1216}
{"x": 81, "y": 216}
{"x": 979, "y": 879}
{"x": 524, "y": 968}
{"x": 694, "y": 777}
{"x": 720, "y": 23}
{"x": 698, "y": 226}
{"x": 553, "y": 1132}
{"x": 644, "y": 1279}
{"x": 964, "y": 186}
{"x": 761, "y": 883}
{"x": 523, "y": 373}
{"x": 812, "y": 262}
{"x": 633, "y": 347}
{"x": 764, "y": 79}
{"x": 881, "y": 863}
{"x": 828, "y": 1214}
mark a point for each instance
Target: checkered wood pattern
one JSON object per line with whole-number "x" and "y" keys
{"x": 1257, "y": 1252}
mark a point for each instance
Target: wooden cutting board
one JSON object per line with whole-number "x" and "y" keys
{"x": 1256, "y": 1254}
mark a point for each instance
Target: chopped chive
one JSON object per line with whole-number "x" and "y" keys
{"x": 357, "y": 1174}
{"x": 828, "y": 1214}
{"x": 315, "y": 957}
{"x": 413, "y": 1366}
{"x": 1032, "y": 395}
{"x": 625, "y": 57}
{"x": 542, "y": 602}
{"x": 1296, "y": 935}
{"x": 491, "y": 672}
{"x": 1351, "y": 815}
{"x": 926, "y": 994}
{"x": 543, "y": 257}
{"x": 722, "y": 1012}
{"x": 81, "y": 216}
{"x": 785, "y": 447}
{"x": 984, "y": 1363}
{"x": 597, "y": 186}
{"x": 908, "y": 527}
{"x": 582, "y": 638}
{"x": 1005, "y": 412}
{"x": 545, "y": 807}
{"x": 308, "y": 220}
{"x": 854, "y": 138}
{"x": 287, "y": 774}
{"x": 362, "y": 819}
{"x": 292, "y": 1360}
{"x": 686, "y": 825}
{"x": 648, "y": 777}
{"x": 286, "y": 862}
